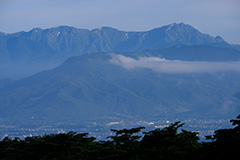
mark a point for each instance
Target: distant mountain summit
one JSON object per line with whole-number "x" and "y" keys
{"x": 179, "y": 34}
{"x": 41, "y": 49}
{"x": 139, "y": 84}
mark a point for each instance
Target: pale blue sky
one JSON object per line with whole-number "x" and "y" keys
{"x": 215, "y": 17}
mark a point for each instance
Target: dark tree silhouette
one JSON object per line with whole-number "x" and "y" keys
{"x": 167, "y": 143}
{"x": 127, "y": 144}
{"x": 226, "y": 142}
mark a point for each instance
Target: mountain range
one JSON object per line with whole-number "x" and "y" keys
{"x": 25, "y": 53}
{"x": 169, "y": 72}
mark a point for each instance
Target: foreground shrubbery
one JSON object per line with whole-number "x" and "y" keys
{"x": 167, "y": 143}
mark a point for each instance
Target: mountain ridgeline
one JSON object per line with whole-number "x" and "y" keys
{"x": 92, "y": 88}
{"x": 172, "y": 72}
{"x": 25, "y": 53}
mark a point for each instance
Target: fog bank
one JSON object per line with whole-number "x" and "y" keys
{"x": 173, "y": 66}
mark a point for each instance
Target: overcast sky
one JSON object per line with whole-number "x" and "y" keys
{"x": 215, "y": 17}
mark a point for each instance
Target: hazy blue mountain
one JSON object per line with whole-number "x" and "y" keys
{"x": 89, "y": 87}
{"x": 198, "y": 53}
{"x": 237, "y": 95}
{"x": 24, "y": 53}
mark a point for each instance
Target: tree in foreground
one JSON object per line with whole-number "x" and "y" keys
{"x": 168, "y": 143}
{"x": 127, "y": 144}
{"x": 226, "y": 142}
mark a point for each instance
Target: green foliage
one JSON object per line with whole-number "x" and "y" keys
{"x": 127, "y": 144}
{"x": 54, "y": 146}
{"x": 167, "y": 143}
{"x": 226, "y": 141}
{"x": 125, "y": 137}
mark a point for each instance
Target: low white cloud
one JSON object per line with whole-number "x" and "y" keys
{"x": 173, "y": 66}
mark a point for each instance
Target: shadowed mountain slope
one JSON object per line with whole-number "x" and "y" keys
{"x": 90, "y": 87}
